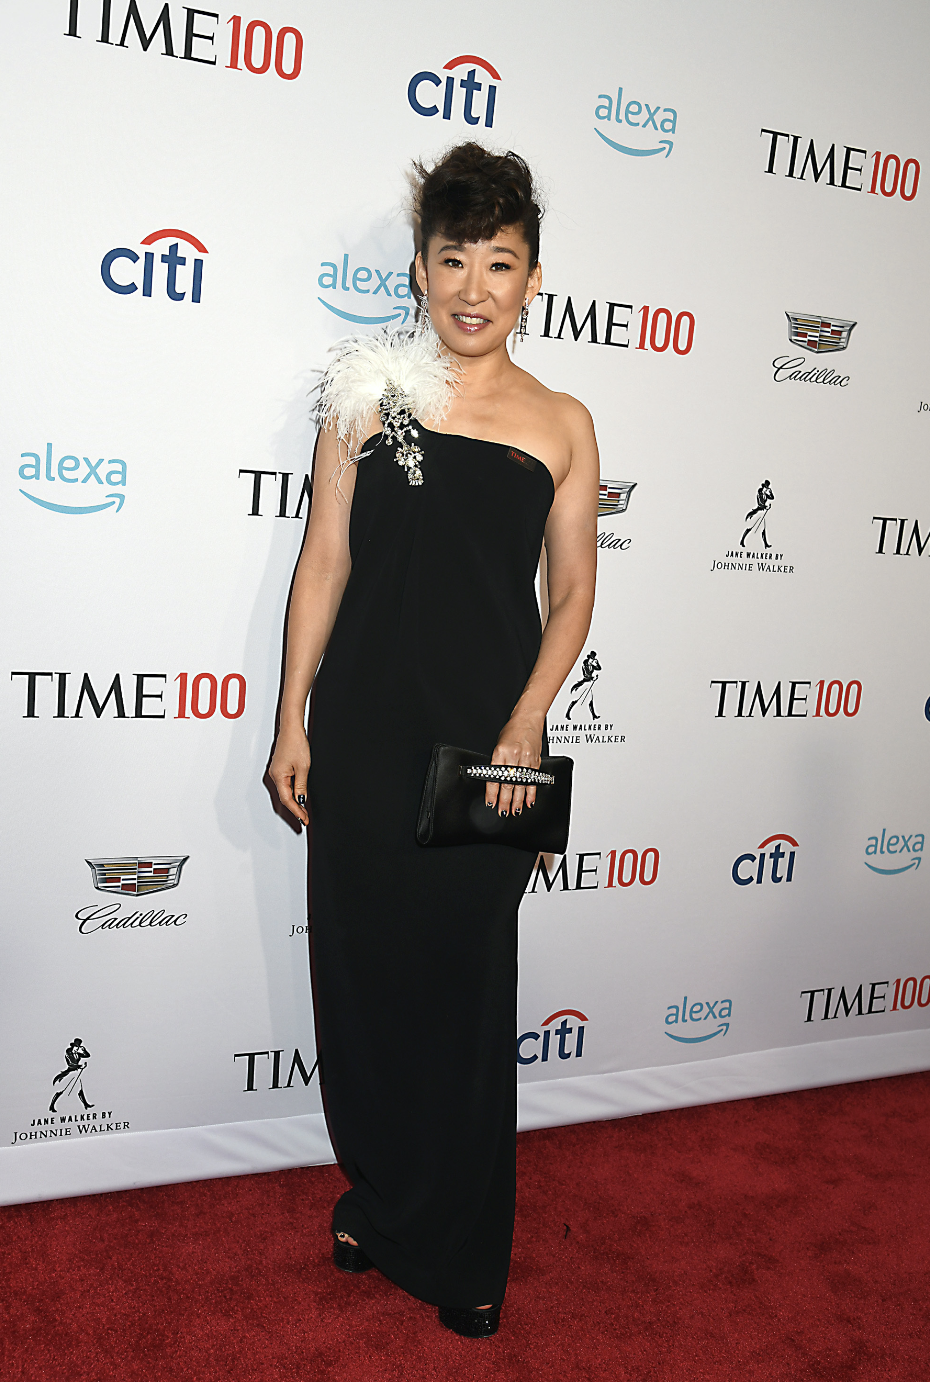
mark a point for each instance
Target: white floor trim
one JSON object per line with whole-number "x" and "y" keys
{"x": 125, "y": 1161}
{"x": 586, "y": 1098}
{"x": 51, "y": 1171}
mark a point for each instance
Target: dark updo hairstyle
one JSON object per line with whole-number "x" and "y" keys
{"x": 472, "y": 193}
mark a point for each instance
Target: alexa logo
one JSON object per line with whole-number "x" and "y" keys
{"x": 364, "y": 294}
{"x": 715, "y": 1010}
{"x": 539, "y": 1046}
{"x": 41, "y": 470}
{"x": 751, "y": 868}
{"x": 469, "y": 97}
{"x": 180, "y": 280}
{"x": 890, "y": 854}
{"x": 648, "y": 121}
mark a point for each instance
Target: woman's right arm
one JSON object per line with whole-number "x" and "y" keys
{"x": 319, "y": 582}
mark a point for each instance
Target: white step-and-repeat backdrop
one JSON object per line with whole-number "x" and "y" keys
{"x": 735, "y": 283}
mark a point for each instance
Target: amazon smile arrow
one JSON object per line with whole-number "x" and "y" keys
{"x": 914, "y": 864}
{"x": 400, "y": 315}
{"x": 665, "y": 144}
{"x": 692, "y": 1041}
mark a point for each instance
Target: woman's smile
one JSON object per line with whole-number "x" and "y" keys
{"x": 470, "y": 321}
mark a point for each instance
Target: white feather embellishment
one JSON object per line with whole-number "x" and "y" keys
{"x": 354, "y": 384}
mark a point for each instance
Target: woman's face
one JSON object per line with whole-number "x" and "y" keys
{"x": 476, "y": 290}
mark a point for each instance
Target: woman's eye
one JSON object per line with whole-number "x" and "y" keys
{"x": 502, "y": 265}
{"x": 453, "y": 263}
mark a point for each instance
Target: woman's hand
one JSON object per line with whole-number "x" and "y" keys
{"x": 290, "y": 764}
{"x": 519, "y": 744}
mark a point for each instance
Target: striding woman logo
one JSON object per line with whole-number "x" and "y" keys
{"x": 71, "y": 1078}
{"x": 583, "y": 691}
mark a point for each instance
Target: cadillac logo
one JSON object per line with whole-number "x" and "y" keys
{"x": 819, "y": 334}
{"x": 614, "y": 496}
{"x": 155, "y": 874}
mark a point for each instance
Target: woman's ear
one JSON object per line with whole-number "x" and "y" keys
{"x": 534, "y": 282}
{"x": 420, "y": 271}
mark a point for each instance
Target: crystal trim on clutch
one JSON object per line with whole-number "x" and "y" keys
{"x": 396, "y": 418}
{"x": 505, "y": 773}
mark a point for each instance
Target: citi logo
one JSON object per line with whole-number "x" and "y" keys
{"x": 418, "y": 92}
{"x": 893, "y": 845}
{"x": 368, "y": 283}
{"x": 67, "y": 470}
{"x": 704, "y": 1011}
{"x": 562, "y": 1046}
{"x": 655, "y": 119}
{"x": 756, "y": 862}
{"x": 168, "y": 282}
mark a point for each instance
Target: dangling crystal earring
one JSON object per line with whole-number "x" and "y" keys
{"x": 524, "y": 318}
{"x": 424, "y": 325}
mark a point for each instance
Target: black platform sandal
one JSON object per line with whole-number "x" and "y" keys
{"x": 471, "y": 1324}
{"x": 350, "y": 1258}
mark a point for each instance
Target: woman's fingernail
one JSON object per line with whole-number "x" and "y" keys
{"x": 518, "y": 810}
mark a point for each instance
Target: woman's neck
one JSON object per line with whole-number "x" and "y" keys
{"x": 484, "y": 374}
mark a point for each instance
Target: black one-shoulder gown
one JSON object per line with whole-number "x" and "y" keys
{"x": 415, "y": 949}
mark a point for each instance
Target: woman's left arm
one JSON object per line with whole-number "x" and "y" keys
{"x": 571, "y": 559}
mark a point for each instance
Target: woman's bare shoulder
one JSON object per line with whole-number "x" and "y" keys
{"x": 562, "y": 410}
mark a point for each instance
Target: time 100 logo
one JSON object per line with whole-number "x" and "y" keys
{"x": 192, "y": 38}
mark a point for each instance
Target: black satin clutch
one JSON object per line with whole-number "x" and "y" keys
{"x": 453, "y": 809}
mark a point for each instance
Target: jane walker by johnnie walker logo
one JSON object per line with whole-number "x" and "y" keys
{"x": 756, "y": 551}
{"x": 71, "y": 1110}
{"x": 582, "y": 723}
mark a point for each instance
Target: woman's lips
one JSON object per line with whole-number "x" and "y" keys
{"x": 470, "y": 322}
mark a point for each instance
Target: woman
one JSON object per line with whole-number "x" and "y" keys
{"x": 417, "y": 581}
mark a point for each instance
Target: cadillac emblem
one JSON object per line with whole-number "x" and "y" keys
{"x": 813, "y": 332}
{"x": 154, "y": 874}
{"x": 614, "y": 496}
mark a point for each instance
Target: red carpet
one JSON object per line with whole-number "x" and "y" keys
{"x": 786, "y": 1237}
